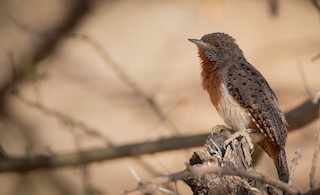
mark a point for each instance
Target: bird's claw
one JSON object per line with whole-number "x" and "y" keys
{"x": 244, "y": 133}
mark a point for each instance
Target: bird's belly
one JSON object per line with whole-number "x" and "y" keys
{"x": 231, "y": 112}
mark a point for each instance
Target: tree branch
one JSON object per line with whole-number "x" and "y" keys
{"x": 96, "y": 155}
{"x": 213, "y": 171}
{"x": 297, "y": 117}
{"x": 304, "y": 113}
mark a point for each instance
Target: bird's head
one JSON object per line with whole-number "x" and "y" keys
{"x": 219, "y": 48}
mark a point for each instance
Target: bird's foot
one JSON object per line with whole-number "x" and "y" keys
{"x": 242, "y": 133}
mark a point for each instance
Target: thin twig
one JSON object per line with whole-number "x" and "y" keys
{"x": 126, "y": 79}
{"x": 304, "y": 79}
{"x": 116, "y": 68}
{"x": 76, "y": 11}
{"x": 294, "y": 163}
{"x": 166, "y": 191}
{"x": 134, "y": 173}
{"x": 64, "y": 118}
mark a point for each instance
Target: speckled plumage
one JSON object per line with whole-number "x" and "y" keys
{"x": 253, "y": 92}
{"x": 241, "y": 95}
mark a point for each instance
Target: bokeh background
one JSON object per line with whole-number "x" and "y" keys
{"x": 47, "y": 59}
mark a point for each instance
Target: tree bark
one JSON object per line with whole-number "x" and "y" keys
{"x": 235, "y": 155}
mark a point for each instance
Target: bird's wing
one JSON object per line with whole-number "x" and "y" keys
{"x": 251, "y": 90}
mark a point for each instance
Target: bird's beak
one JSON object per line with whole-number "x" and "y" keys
{"x": 200, "y": 43}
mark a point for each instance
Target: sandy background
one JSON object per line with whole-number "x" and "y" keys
{"x": 148, "y": 39}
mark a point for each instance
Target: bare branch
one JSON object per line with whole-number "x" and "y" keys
{"x": 208, "y": 172}
{"x": 303, "y": 114}
{"x": 85, "y": 157}
{"x": 298, "y": 117}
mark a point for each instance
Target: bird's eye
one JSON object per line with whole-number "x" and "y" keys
{"x": 216, "y": 44}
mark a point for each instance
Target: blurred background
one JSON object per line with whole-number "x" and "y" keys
{"x": 77, "y": 75}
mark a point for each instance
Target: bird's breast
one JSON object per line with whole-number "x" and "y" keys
{"x": 233, "y": 114}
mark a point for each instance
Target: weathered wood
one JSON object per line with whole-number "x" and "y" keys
{"x": 236, "y": 154}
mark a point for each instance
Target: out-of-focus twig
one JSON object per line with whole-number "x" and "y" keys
{"x": 67, "y": 120}
{"x": 44, "y": 40}
{"x": 304, "y": 79}
{"x": 51, "y": 36}
{"x": 304, "y": 113}
{"x": 294, "y": 163}
{"x": 312, "y": 192}
{"x": 274, "y": 7}
{"x": 316, "y": 4}
{"x": 316, "y": 56}
{"x": 127, "y": 79}
{"x": 89, "y": 189}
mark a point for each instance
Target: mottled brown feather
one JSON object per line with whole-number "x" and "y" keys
{"x": 253, "y": 92}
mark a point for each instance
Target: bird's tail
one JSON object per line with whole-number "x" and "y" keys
{"x": 278, "y": 156}
{"x": 282, "y": 167}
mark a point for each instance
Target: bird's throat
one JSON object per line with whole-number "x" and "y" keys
{"x": 208, "y": 69}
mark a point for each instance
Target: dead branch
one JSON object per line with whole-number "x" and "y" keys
{"x": 219, "y": 170}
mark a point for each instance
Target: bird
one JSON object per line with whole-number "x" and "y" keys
{"x": 242, "y": 96}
